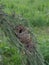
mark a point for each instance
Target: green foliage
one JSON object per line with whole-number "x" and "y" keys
{"x": 14, "y": 56}
{"x": 36, "y": 11}
{"x": 42, "y": 35}
{"x": 10, "y": 56}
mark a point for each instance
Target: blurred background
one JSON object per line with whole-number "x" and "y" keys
{"x": 37, "y": 13}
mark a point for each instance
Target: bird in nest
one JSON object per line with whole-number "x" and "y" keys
{"x": 25, "y": 38}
